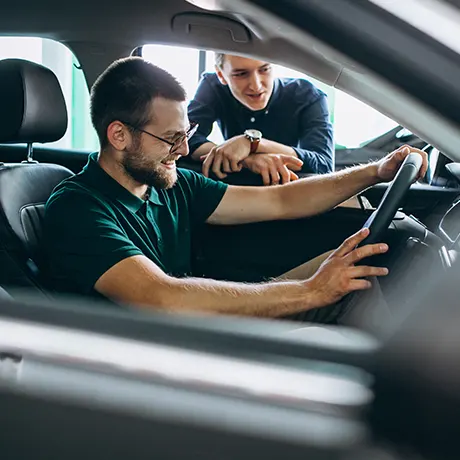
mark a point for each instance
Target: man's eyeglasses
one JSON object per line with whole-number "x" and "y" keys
{"x": 174, "y": 145}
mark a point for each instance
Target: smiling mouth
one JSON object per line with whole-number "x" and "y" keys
{"x": 256, "y": 96}
{"x": 169, "y": 163}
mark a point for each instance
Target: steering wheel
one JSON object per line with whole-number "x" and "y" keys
{"x": 381, "y": 218}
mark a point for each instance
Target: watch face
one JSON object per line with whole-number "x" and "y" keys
{"x": 254, "y": 133}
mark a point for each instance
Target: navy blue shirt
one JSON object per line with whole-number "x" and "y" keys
{"x": 297, "y": 115}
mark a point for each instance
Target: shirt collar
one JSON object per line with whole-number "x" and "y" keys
{"x": 275, "y": 93}
{"x": 107, "y": 185}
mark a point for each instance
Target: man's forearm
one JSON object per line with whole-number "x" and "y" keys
{"x": 137, "y": 280}
{"x": 203, "y": 149}
{"x": 314, "y": 195}
{"x": 270, "y": 300}
{"x": 267, "y": 146}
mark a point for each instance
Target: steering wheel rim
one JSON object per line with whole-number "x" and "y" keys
{"x": 381, "y": 218}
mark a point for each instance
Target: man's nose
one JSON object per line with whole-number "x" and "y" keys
{"x": 183, "y": 149}
{"x": 255, "y": 82}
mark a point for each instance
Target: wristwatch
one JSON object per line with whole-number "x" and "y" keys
{"x": 254, "y": 136}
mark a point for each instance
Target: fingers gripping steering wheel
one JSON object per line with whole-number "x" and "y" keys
{"x": 381, "y": 218}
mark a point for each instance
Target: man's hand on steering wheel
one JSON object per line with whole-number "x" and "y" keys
{"x": 403, "y": 167}
{"x": 388, "y": 166}
{"x": 340, "y": 273}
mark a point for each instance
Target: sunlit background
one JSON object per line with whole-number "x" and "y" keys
{"x": 355, "y": 123}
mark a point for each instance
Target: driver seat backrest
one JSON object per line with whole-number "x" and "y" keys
{"x": 32, "y": 110}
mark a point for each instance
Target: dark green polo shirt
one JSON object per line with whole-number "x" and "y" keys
{"x": 92, "y": 223}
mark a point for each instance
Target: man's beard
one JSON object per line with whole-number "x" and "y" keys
{"x": 146, "y": 171}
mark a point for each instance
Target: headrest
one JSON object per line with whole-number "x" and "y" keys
{"x": 32, "y": 106}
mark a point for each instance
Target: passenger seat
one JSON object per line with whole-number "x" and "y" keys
{"x": 32, "y": 109}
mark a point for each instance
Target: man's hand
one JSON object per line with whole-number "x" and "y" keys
{"x": 274, "y": 168}
{"x": 338, "y": 275}
{"x": 388, "y": 166}
{"x": 227, "y": 157}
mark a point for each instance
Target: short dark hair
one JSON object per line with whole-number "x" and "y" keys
{"x": 124, "y": 91}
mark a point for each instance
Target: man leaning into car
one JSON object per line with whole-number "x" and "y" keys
{"x": 121, "y": 228}
{"x": 274, "y": 127}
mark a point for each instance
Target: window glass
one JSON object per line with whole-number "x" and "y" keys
{"x": 184, "y": 64}
{"x": 55, "y": 56}
{"x": 180, "y": 62}
{"x": 355, "y": 123}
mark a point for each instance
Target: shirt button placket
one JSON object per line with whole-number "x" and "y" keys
{"x": 151, "y": 219}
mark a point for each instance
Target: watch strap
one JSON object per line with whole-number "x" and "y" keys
{"x": 254, "y": 144}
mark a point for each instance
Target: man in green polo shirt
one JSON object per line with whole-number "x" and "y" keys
{"x": 122, "y": 227}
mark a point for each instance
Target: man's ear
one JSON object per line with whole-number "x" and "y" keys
{"x": 118, "y": 135}
{"x": 220, "y": 75}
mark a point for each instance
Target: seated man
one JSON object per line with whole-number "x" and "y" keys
{"x": 122, "y": 227}
{"x": 273, "y": 127}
